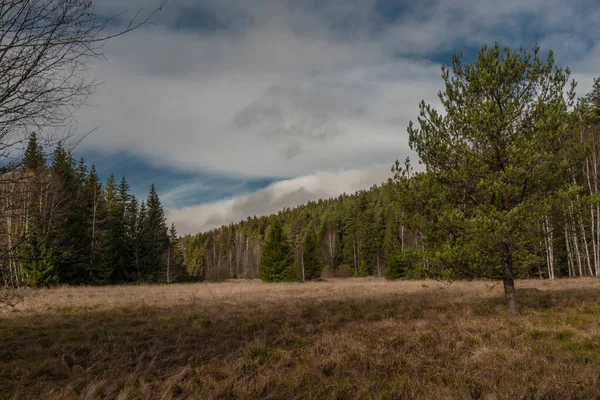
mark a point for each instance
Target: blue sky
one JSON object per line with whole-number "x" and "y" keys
{"x": 177, "y": 188}
{"x": 238, "y": 107}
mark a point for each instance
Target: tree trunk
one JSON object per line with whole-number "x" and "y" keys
{"x": 402, "y": 237}
{"x": 570, "y": 261}
{"x": 302, "y": 262}
{"x": 169, "y": 265}
{"x": 509, "y": 285}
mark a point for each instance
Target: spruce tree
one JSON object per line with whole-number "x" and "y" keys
{"x": 153, "y": 239}
{"x": 38, "y": 264}
{"x": 119, "y": 247}
{"x": 99, "y": 270}
{"x": 312, "y": 261}
{"x": 132, "y": 235}
{"x": 33, "y": 157}
{"x": 69, "y": 240}
{"x": 172, "y": 266}
{"x": 276, "y": 260}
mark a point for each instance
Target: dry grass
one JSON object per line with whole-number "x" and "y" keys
{"x": 346, "y": 339}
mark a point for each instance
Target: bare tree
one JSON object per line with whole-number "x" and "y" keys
{"x": 330, "y": 247}
{"x": 45, "y": 50}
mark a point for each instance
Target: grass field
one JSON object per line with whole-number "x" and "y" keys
{"x": 345, "y": 339}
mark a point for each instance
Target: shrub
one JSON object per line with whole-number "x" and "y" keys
{"x": 402, "y": 265}
{"x": 364, "y": 269}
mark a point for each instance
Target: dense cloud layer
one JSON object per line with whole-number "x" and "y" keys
{"x": 282, "y": 88}
{"x": 287, "y": 193}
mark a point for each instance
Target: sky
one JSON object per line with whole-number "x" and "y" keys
{"x": 234, "y": 108}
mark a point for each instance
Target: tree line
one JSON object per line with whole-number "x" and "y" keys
{"x": 356, "y": 234}
{"x": 509, "y": 189}
{"x": 60, "y": 225}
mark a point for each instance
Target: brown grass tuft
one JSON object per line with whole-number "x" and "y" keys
{"x": 347, "y": 339}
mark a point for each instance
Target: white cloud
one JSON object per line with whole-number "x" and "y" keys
{"x": 286, "y": 193}
{"x": 270, "y": 101}
{"x": 284, "y": 88}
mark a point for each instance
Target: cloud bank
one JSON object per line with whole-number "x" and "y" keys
{"x": 282, "y": 89}
{"x": 282, "y": 194}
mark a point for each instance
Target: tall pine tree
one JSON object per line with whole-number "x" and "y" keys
{"x": 153, "y": 237}
{"x": 276, "y": 261}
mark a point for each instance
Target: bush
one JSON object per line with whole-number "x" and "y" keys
{"x": 291, "y": 275}
{"x": 364, "y": 269}
{"x": 402, "y": 265}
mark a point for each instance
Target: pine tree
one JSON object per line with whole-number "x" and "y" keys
{"x": 38, "y": 264}
{"x": 99, "y": 269}
{"x": 132, "y": 235}
{"x": 312, "y": 261}
{"x": 494, "y": 154}
{"x": 69, "y": 240}
{"x": 153, "y": 239}
{"x": 119, "y": 247}
{"x": 593, "y": 101}
{"x": 276, "y": 260}
{"x": 172, "y": 266}
{"x": 33, "y": 157}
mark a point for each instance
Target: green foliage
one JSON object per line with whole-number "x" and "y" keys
{"x": 33, "y": 157}
{"x": 276, "y": 261}
{"x": 172, "y": 269}
{"x": 505, "y": 157}
{"x": 195, "y": 263}
{"x": 38, "y": 265}
{"x": 364, "y": 269}
{"x": 493, "y": 156}
{"x": 153, "y": 237}
{"x": 119, "y": 240}
{"x": 404, "y": 264}
{"x": 70, "y": 239}
{"x": 312, "y": 261}
{"x": 75, "y": 231}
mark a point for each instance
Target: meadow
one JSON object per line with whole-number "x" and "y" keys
{"x": 361, "y": 338}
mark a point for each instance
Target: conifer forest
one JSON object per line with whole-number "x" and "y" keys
{"x": 62, "y": 225}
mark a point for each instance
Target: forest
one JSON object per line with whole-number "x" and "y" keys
{"x": 510, "y": 176}
{"x": 61, "y": 225}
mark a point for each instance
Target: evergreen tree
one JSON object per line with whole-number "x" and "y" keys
{"x": 312, "y": 261}
{"x": 276, "y": 260}
{"x": 119, "y": 246}
{"x": 33, "y": 157}
{"x": 593, "y": 101}
{"x": 364, "y": 269}
{"x": 38, "y": 264}
{"x": 69, "y": 244}
{"x": 172, "y": 266}
{"x": 132, "y": 235}
{"x": 99, "y": 269}
{"x": 153, "y": 238}
{"x": 494, "y": 154}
